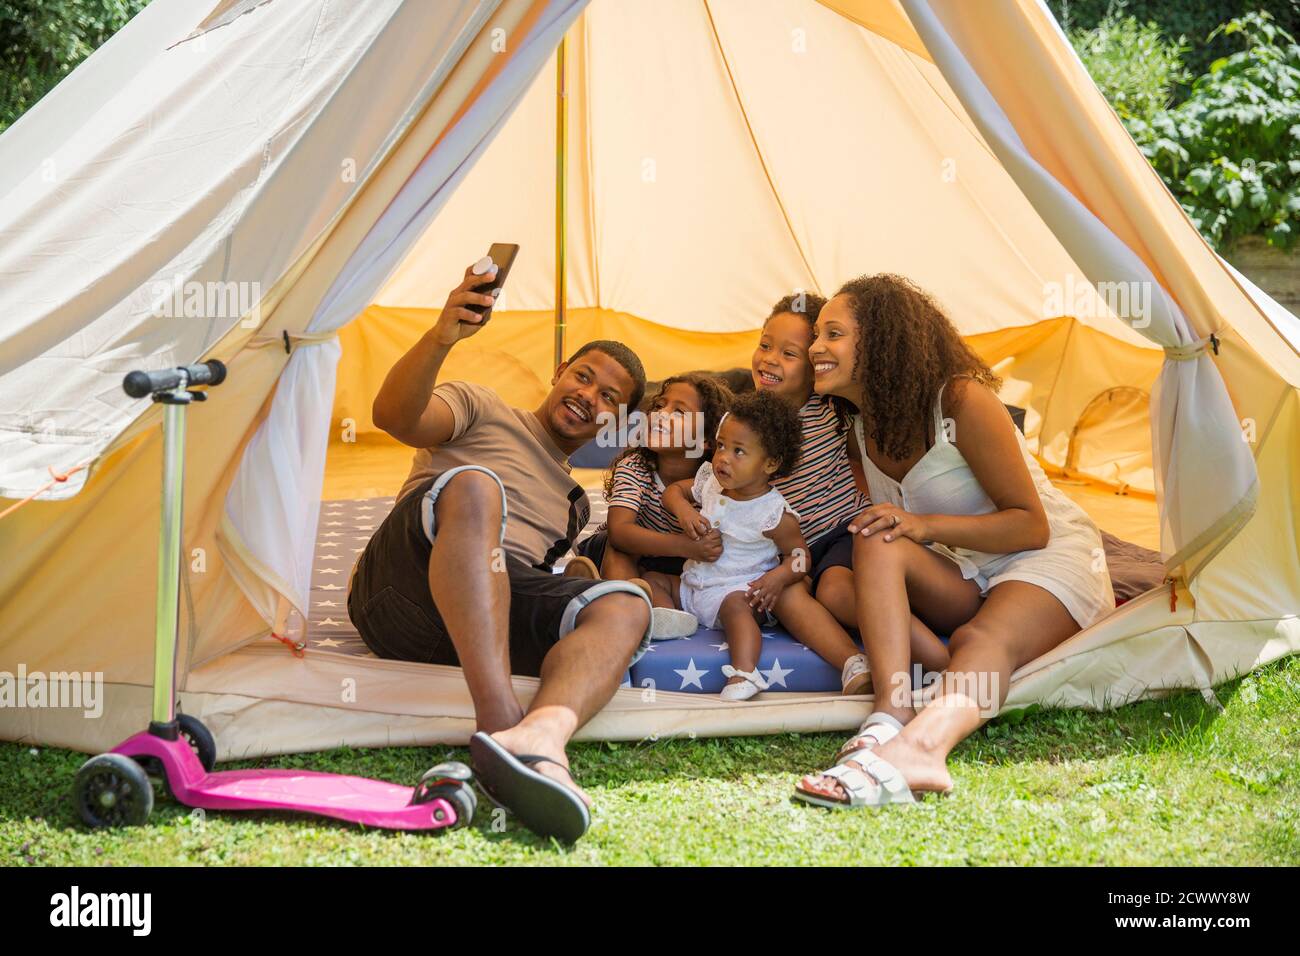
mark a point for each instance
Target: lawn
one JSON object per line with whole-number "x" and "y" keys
{"x": 1174, "y": 781}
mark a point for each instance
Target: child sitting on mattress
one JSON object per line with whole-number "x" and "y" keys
{"x": 763, "y": 551}
{"x": 823, "y": 492}
{"x": 639, "y": 535}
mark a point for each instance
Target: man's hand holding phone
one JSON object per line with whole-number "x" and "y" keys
{"x": 457, "y": 321}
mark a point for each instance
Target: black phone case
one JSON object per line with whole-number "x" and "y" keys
{"x": 503, "y": 254}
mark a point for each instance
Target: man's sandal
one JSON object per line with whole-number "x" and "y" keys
{"x": 876, "y": 731}
{"x": 542, "y": 804}
{"x": 877, "y": 784}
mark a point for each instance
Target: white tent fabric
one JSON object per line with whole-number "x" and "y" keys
{"x": 271, "y": 508}
{"x": 258, "y": 119}
{"x": 1286, "y": 324}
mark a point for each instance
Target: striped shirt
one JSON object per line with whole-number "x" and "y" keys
{"x": 638, "y": 486}
{"x": 822, "y": 489}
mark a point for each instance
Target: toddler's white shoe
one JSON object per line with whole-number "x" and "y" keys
{"x": 745, "y": 689}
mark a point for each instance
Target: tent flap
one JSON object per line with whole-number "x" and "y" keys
{"x": 1205, "y": 473}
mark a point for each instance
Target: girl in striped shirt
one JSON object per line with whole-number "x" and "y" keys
{"x": 823, "y": 491}
{"x": 639, "y": 535}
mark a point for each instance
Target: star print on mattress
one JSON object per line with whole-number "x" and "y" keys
{"x": 694, "y": 665}
{"x": 344, "y": 527}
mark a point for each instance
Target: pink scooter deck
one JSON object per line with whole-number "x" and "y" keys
{"x": 374, "y": 803}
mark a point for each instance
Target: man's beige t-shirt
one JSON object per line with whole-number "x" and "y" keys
{"x": 545, "y": 507}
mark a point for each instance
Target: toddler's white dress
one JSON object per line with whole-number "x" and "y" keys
{"x": 746, "y": 552}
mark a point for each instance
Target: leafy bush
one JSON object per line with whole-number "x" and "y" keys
{"x": 1133, "y": 63}
{"x": 42, "y": 40}
{"x": 1175, "y": 18}
{"x": 1230, "y": 152}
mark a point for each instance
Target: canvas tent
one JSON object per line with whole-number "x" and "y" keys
{"x": 341, "y": 162}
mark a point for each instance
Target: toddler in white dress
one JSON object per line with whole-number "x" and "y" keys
{"x": 763, "y": 551}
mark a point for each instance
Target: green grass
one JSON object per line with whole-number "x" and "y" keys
{"x": 1172, "y": 781}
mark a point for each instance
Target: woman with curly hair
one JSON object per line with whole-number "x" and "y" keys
{"x": 966, "y": 534}
{"x": 823, "y": 492}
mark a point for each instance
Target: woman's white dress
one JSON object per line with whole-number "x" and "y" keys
{"x": 746, "y": 551}
{"x": 1073, "y": 565}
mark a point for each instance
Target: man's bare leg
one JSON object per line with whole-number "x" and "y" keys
{"x": 579, "y": 676}
{"x": 470, "y": 587}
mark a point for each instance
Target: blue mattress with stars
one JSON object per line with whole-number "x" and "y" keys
{"x": 693, "y": 664}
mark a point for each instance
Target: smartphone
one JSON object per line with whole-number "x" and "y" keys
{"x": 503, "y": 255}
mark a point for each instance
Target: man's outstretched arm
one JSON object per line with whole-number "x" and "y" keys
{"x": 405, "y": 406}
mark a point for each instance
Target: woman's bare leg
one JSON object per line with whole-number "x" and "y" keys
{"x": 835, "y": 591}
{"x": 1017, "y": 623}
{"x": 890, "y": 578}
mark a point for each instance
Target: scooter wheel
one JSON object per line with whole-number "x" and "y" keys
{"x": 465, "y": 801}
{"x": 450, "y": 770}
{"x": 113, "y": 791}
{"x": 200, "y": 740}
{"x": 449, "y": 781}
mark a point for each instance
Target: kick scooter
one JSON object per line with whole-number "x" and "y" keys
{"x": 114, "y": 789}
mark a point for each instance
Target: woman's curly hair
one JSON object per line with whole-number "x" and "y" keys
{"x": 777, "y": 425}
{"x": 715, "y": 400}
{"x": 908, "y": 349}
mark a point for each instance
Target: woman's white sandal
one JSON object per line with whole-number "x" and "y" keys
{"x": 752, "y": 684}
{"x": 876, "y": 731}
{"x": 855, "y": 675}
{"x": 879, "y": 783}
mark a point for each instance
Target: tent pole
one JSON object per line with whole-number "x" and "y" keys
{"x": 561, "y": 170}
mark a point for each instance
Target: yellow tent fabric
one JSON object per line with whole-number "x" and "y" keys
{"x": 722, "y": 154}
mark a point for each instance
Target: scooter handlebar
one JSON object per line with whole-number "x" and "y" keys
{"x": 141, "y": 384}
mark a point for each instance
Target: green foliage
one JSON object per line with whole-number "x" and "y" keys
{"x": 1230, "y": 152}
{"x": 42, "y": 40}
{"x": 1133, "y": 64}
{"x": 1194, "y": 19}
